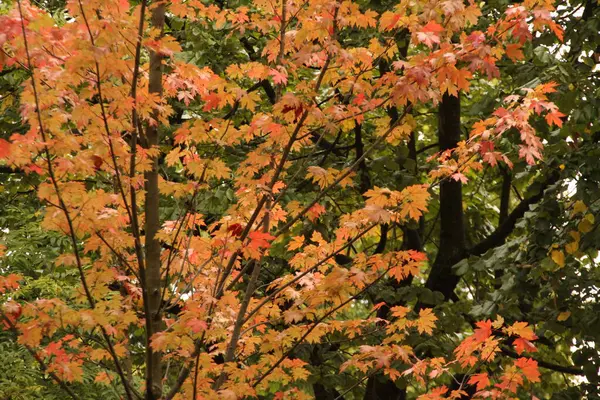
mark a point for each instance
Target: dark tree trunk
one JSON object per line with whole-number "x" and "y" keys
{"x": 452, "y": 228}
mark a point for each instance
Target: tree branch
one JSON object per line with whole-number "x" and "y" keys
{"x": 498, "y": 237}
{"x": 548, "y": 365}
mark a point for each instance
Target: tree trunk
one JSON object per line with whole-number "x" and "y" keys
{"x": 452, "y": 229}
{"x": 152, "y": 273}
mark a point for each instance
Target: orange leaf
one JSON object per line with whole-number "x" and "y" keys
{"x": 513, "y": 51}
{"x": 522, "y": 345}
{"x": 554, "y": 118}
{"x": 529, "y": 368}
{"x": 260, "y": 240}
{"x": 4, "y": 148}
{"x": 481, "y": 380}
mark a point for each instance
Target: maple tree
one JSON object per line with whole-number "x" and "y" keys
{"x": 221, "y": 222}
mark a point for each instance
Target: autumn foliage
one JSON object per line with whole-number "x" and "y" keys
{"x": 256, "y": 283}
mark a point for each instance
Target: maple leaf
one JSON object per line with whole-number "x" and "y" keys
{"x": 227, "y": 394}
{"x": 9, "y": 282}
{"x": 435, "y": 394}
{"x": 260, "y": 240}
{"x": 379, "y": 196}
{"x": 529, "y": 368}
{"x": 279, "y": 75}
{"x": 67, "y": 371}
{"x": 513, "y": 51}
{"x": 429, "y": 34}
{"x": 521, "y": 329}
{"x": 296, "y": 243}
{"x": 378, "y": 214}
{"x": 196, "y": 325}
{"x": 315, "y": 212}
{"x": 291, "y": 316}
{"x": 212, "y": 101}
{"x": 12, "y": 309}
{"x": 320, "y": 175}
{"x": 426, "y": 321}
{"x": 522, "y": 345}
{"x": 4, "y": 148}
{"x": 548, "y": 87}
{"x": 554, "y": 118}
{"x": 388, "y": 20}
{"x": 481, "y": 380}
{"x": 459, "y": 177}
{"x": 277, "y": 187}
{"x": 416, "y": 197}
{"x": 483, "y": 331}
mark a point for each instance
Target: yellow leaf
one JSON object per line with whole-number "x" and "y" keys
{"x": 521, "y": 329}
{"x": 558, "y": 257}
{"x": 497, "y": 324}
{"x": 563, "y": 316}
{"x": 296, "y": 243}
{"x": 585, "y": 226}
{"x": 575, "y": 235}
{"x": 572, "y": 247}
{"x": 579, "y": 207}
{"x": 320, "y": 176}
{"x": 426, "y": 321}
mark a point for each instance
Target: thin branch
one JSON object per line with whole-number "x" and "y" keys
{"x": 63, "y": 207}
{"x": 425, "y": 148}
{"x": 314, "y": 326}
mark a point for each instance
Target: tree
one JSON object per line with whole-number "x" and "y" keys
{"x": 256, "y": 222}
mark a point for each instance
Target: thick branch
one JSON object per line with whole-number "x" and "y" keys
{"x": 498, "y": 237}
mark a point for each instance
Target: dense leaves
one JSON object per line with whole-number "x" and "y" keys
{"x": 299, "y": 199}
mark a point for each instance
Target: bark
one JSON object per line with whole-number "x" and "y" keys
{"x": 452, "y": 236}
{"x": 504, "y": 207}
{"x": 505, "y": 196}
{"x": 380, "y": 387}
{"x": 363, "y": 170}
{"x": 152, "y": 273}
{"x": 498, "y": 237}
{"x": 452, "y": 229}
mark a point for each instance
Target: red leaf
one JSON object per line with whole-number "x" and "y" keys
{"x": 4, "y": 148}
{"x": 433, "y": 27}
{"x": 235, "y": 229}
{"x": 522, "y": 345}
{"x": 279, "y": 75}
{"x": 260, "y": 240}
{"x": 197, "y": 325}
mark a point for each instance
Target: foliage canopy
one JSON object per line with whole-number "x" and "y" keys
{"x": 299, "y": 199}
